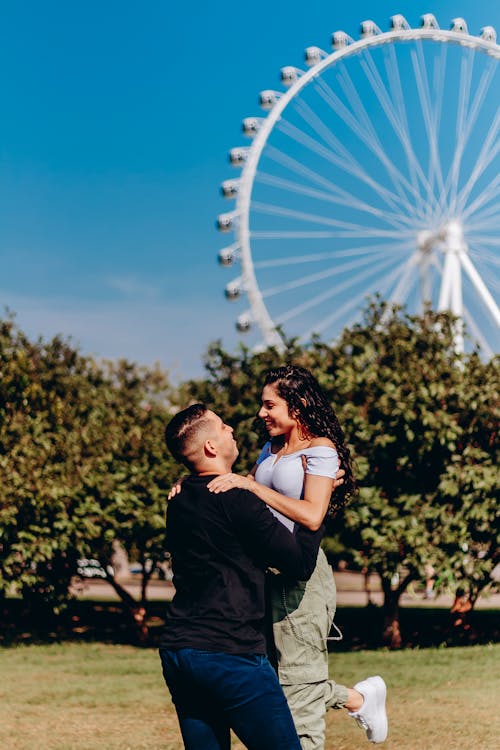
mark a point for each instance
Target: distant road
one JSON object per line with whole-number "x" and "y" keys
{"x": 350, "y": 592}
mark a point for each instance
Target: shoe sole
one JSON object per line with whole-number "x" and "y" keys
{"x": 380, "y": 697}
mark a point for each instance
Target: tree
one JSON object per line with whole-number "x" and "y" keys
{"x": 123, "y": 490}
{"x": 416, "y": 412}
{"x": 42, "y": 391}
{"x": 469, "y": 489}
{"x": 82, "y": 465}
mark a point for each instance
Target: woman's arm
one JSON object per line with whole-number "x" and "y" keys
{"x": 309, "y": 512}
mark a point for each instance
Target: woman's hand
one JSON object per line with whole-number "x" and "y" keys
{"x": 225, "y": 482}
{"x": 176, "y": 488}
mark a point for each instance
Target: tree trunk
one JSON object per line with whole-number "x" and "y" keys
{"x": 146, "y": 575}
{"x": 391, "y": 631}
{"x": 136, "y": 610}
{"x": 391, "y": 628}
{"x": 366, "y": 576}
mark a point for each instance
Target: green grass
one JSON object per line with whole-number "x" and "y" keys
{"x": 103, "y": 697}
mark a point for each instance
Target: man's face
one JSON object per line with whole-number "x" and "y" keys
{"x": 223, "y": 437}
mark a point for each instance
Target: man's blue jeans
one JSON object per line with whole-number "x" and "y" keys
{"x": 214, "y": 692}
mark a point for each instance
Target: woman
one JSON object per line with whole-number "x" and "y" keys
{"x": 294, "y": 476}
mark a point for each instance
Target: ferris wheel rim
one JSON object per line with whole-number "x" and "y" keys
{"x": 260, "y": 313}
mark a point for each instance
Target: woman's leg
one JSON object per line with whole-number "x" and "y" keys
{"x": 307, "y": 704}
{"x": 302, "y": 618}
{"x": 335, "y": 695}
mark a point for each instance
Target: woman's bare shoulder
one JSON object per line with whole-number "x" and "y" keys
{"x": 322, "y": 441}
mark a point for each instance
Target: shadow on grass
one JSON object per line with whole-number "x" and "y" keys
{"x": 109, "y": 622}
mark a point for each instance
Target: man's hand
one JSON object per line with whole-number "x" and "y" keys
{"x": 339, "y": 476}
{"x": 225, "y": 482}
{"x": 339, "y": 479}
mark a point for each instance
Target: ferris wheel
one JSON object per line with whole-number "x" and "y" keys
{"x": 375, "y": 171}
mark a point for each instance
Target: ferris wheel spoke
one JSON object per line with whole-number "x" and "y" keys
{"x": 494, "y": 285}
{"x": 336, "y": 196}
{"x": 467, "y": 120}
{"x": 354, "y": 230}
{"x": 484, "y": 257}
{"x": 487, "y": 218}
{"x": 397, "y": 117}
{"x": 430, "y": 121}
{"x": 313, "y": 278}
{"x": 463, "y": 102}
{"x": 334, "y": 150}
{"x": 396, "y": 94}
{"x": 333, "y": 255}
{"x": 300, "y": 189}
{"x": 321, "y": 235}
{"x": 336, "y": 290}
{"x": 480, "y": 287}
{"x": 291, "y": 235}
{"x": 488, "y": 152}
{"x": 406, "y": 281}
{"x": 355, "y": 302}
{"x": 438, "y": 203}
{"x": 485, "y": 221}
{"x": 346, "y": 162}
{"x": 369, "y": 134}
{"x": 491, "y": 192}
{"x": 486, "y": 240}
{"x": 298, "y": 168}
{"x": 315, "y": 301}
{"x": 369, "y": 139}
{"x": 476, "y": 332}
{"x": 337, "y": 155}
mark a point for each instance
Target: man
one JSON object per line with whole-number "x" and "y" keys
{"x": 213, "y": 647}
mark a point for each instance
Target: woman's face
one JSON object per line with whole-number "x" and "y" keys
{"x": 274, "y": 412}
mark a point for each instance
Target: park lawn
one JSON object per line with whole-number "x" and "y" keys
{"x": 103, "y": 697}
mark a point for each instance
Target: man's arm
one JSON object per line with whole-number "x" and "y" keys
{"x": 268, "y": 541}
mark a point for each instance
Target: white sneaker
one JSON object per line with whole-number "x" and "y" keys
{"x": 372, "y": 716}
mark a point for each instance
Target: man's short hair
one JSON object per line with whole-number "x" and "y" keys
{"x": 181, "y": 430}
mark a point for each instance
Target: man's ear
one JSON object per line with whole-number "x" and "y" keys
{"x": 209, "y": 448}
{"x": 304, "y": 402}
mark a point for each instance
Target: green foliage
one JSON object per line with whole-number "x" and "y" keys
{"x": 82, "y": 462}
{"x": 422, "y": 419}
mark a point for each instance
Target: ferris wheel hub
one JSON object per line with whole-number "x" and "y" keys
{"x": 454, "y": 237}
{"x": 450, "y": 236}
{"x": 425, "y": 241}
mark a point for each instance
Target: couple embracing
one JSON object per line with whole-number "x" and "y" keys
{"x": 247, "y": 564}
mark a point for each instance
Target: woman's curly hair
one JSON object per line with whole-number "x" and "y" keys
{"x": 316, "y": 417}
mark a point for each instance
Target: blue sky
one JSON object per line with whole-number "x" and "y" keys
{"x": 115, "y": 123}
